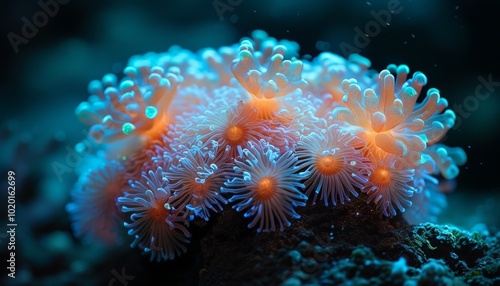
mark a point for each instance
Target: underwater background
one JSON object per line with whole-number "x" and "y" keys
{"x": 46, "y": 73}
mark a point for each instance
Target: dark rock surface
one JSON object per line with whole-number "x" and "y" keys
{"x": 350, "y": 244}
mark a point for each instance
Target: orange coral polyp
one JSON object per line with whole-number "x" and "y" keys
{"x": 328, "y": 165}
{"x": 201, "y": 190}
{"x": 234, "y": 134}
{"x": 377, "y": 144}
{"x": 158, "y": 127}
{"x": 266, "y": 188}
{"x": 266, "y": 107}
{"x": 159, "y": 213}
{"x": 381, "y": 176}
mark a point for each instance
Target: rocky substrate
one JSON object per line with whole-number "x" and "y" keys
{"x": 350, "y": 244}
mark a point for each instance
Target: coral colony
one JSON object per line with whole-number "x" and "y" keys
{"x": 181, "y": 134}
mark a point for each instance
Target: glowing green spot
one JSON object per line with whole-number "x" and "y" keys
{"x": 151, "y": 112}
{"x": 128, "y": 128}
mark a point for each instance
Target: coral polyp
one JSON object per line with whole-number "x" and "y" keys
{"x": 389, "y": 186}
{"x": 388, "y": 117}
{"x": 134, "y": 109}
{"x": 197, "y": 178}
{"x": 93, "y": 211}
{"x": 231, "y": 128}
{"x": 158, "y": 227}
{"x": 267, "y": 186}
{"x": 254, "y": 127}
{"x": 337, "y": 168}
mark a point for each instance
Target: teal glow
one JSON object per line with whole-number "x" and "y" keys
{"x": 128, "y": 128}
{"x": 151, "y": 112}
